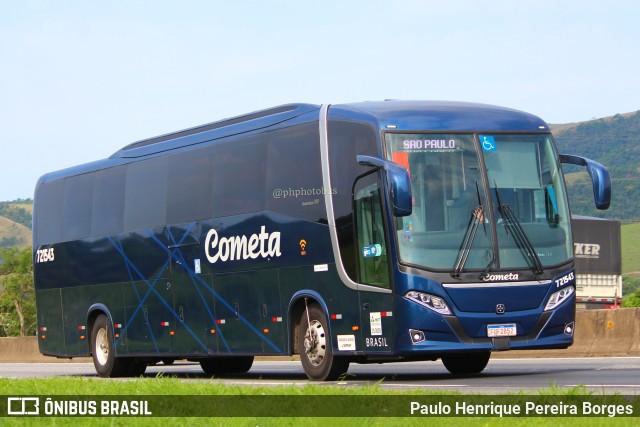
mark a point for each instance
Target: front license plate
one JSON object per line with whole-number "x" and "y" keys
{"x": 506, "y": 330}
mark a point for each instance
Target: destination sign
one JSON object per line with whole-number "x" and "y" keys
{"x": 428, "y": 144}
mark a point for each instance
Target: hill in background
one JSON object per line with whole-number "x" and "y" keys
{"x": 15, "y": 223}
{"x": 631, "y": 250}
{"x": 614, "y": 142}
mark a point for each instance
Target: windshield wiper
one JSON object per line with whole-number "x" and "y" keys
{"x": 477, "y": 216}
{"x": 485, "y": 273}
{"x": 519, "y": 235}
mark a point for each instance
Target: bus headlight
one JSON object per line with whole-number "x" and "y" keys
{"x": 432, "y": 302}
{"x": 559, "y": 297}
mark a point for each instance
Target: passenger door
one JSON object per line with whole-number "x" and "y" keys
{"x": 373, "y": 272}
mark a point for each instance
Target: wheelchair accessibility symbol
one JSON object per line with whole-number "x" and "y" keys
{"x": 488, "y": 143}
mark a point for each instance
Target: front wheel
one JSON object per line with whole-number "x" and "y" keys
{"x": 316, "y": 352}
{"x": 103, "y": 350}
{"x": 466, "y": 363}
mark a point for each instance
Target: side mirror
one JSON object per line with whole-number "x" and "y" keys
{"x": 599, "y": 176}
{"x": 398, "y": 181}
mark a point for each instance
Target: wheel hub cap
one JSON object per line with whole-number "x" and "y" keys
{"x": 315, "y": 343}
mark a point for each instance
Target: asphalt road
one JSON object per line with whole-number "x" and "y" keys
{"x": 600, "y": 375}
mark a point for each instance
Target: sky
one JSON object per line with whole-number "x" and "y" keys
{"x": 81, "y": 79}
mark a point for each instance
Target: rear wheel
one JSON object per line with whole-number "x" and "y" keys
{"x": 316, "y": 352}
{"x": 466, "y": 363}
{"x": 226, "y": 365}
{"x": 103, "y": 350}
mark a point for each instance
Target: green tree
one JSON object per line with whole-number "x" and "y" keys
{"x": 631, "y": 300}
{"x": 17, "y": 295}
{"x": 630, "y": 285}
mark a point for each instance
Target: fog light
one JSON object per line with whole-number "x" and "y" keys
{"x": 569, "y": 328}
{"x": 416, "y": 336}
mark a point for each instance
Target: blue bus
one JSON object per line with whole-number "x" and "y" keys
{"x": 356, "y": 233}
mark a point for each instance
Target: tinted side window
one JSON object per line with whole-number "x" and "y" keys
{"x": 189, "y": 187}
{"x": 48, "y": 212}
{"x": 372, "y": 254}
{"x": 294, "y": 176}
{"x": 239, "y": 170}
{"x": 108, "y": 201}
{"x": 76, "y": 223}
{"x": 146, "y": 194}
{"x": 346, "y": 141}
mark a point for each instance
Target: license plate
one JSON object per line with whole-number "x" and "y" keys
{"x": 506, "y": 330}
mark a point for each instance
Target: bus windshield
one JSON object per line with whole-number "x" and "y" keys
{"x": 455, "y": 217}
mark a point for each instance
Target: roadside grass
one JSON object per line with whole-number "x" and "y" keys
{"x": 630, "y": 234}
{"x": 325, "y": 394}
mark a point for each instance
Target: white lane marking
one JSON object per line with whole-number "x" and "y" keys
{"x": 425, "y": 385}
{"x": 605, "y": 385}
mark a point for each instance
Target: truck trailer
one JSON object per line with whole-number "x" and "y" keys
{"x": 598, "y": 262}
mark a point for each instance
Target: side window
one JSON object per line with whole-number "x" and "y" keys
{"x": 371, "y": 243}
{"x": 294, "y": 178}
{"x": 108, "y": 201}
{"x": 76, "y": 223}
{"x": 48, "y": 212}
{"x": 346, "y": 141}
{"x": 189, "y": 187}
{"x": 146, "y": 194}
{"x": 239, "y": 170}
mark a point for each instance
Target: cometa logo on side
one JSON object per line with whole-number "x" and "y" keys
{"x": 263, "y": 244}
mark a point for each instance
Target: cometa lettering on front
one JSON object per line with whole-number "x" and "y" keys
{"x": 263, "y": 244}
{"x": 498, "y": 277}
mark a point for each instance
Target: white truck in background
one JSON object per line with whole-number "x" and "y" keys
{"x": 598, "y": 262}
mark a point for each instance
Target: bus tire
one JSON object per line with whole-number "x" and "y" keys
{"x": 316, "y": 353}
{"x": 103, "y": 350}
{"x": 466, "y": 363}
{"x": 226, "y": 365}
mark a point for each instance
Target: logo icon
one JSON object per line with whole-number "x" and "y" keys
{"x": 303, "y": 247}
{"x": 500, "y": 309}
{"x": 23, "y": 406}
